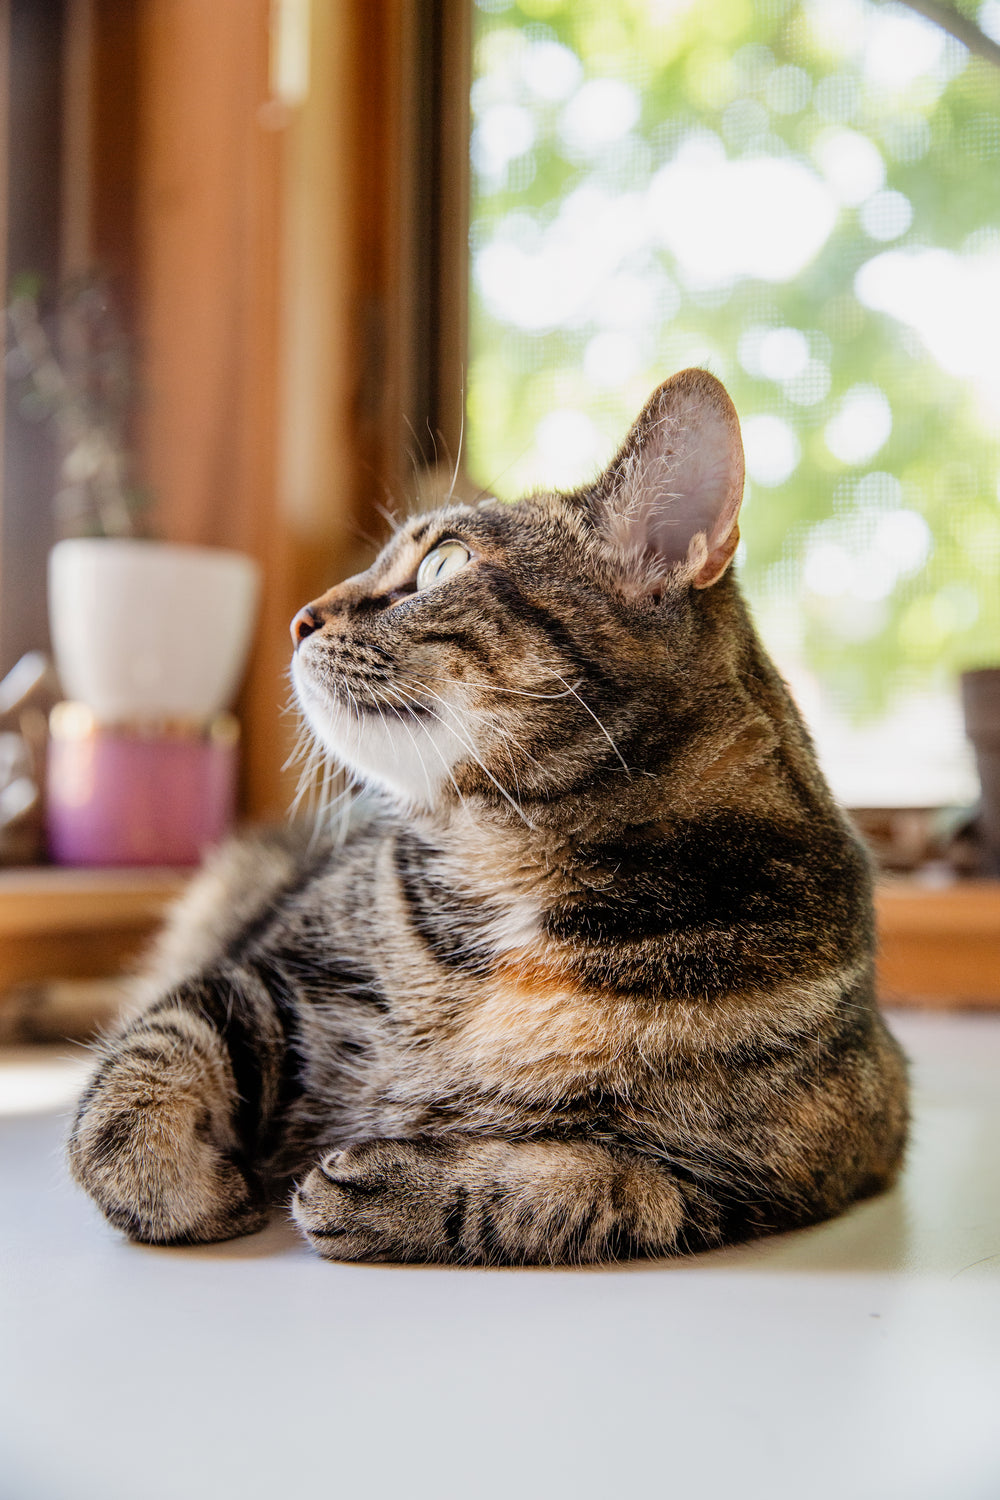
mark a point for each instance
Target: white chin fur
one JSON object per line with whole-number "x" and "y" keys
{"x": 411, "y": 759}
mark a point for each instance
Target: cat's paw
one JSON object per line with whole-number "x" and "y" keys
{"x": 145, "y": 1148}
{"x": 377, "y": 1200}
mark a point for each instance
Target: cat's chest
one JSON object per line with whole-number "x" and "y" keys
{"x": 528, "y": 1030}
{"x": 534, "y": 1023}
{"x": 484, "y": 996}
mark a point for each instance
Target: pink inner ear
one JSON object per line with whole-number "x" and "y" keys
{"x": 691, "y": 495}
{"x": 679, "y": 478}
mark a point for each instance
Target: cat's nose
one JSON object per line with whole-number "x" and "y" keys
{"x": 305, "y": 622}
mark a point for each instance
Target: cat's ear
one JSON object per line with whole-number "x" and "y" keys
{"x": 672, "y": 495}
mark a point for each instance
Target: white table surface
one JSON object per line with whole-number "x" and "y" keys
{"x": 858, "y": 1360}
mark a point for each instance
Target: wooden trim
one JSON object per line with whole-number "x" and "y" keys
{"x": 940, "y": 947}
{"x": 414, "y": 64}
{"x": 452, "y": 351}
{"x": 286, "y": 269}
{"x": 85, "y": 924}
{"x": 36, "y": 902}
{"x": 427, "y": 300}
{"x": 208, "y": 216}
{"x": 101, "y": 168}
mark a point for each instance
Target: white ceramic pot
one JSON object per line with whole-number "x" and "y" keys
{"x": 150, "y": 630}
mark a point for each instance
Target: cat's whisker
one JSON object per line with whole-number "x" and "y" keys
{"x": 309, "y": 753}
{"x": 495, "y": 687}
{"x": 421, "y": 685}
{"x": 434, "y": 441}
{"x": 320, "y": 815}
{"x": 416, "y": 456}
{"x": 354, "y": 714}
{"x": 393, "y": 522}
{"x": 303, "y": 733}
{"x": 401, "y": 693}
{"x": 416, "y": 748}
{"x": 305, "y": 743}
{"x": 306, "y": 790}
{"x": 507, "y": 740}
{"x": 290, "y": 708}
{"x": 362, "y": 534}
{"x": 296, "y": 755}
{"x": 437, "y": 750}
{"x": 490, "y": 718}
{"x": 316, "y": 785}
{"x": 333, "y": 815}
{"x": 458, "y": 456}
{"x": 583, "y": 704}
{"x": 463, "y": 740}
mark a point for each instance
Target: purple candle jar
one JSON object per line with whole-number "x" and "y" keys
{"x": 142, "y": 794}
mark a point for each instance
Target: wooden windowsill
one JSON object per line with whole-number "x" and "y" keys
{"x": 54, "y": 899}
{"x": 78, "y": 924}
{"x": 938, "y": 946}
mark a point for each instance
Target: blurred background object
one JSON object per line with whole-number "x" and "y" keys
{"x": 26, "y": 695}
{"x": 150, "y": 638}
{"x": 59, "y": 1010}
{"x": 145, "y": 792}
{"x": 981, "y": 702}
{"x": 80, "y": 381}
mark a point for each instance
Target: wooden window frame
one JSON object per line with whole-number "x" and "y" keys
{"x": 31, "y": 154}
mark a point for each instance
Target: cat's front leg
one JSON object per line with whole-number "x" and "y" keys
{"x": 164, "y": 1133}
{"x": 475, "y": 1201}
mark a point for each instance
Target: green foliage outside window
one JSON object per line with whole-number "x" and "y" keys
{"x": 844, "y": 282}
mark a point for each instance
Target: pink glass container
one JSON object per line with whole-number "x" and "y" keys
{"x": 137, "y": 795}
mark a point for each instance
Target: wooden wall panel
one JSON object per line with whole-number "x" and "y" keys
{"x": 284, "y": 302}
{"x": 207, "y": 240}
{"x": 208, "y": 228}
{"x": 101, "y": 111}
{"x": 324, "y": 492}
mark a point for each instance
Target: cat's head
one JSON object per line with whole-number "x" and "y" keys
{"x": 519, "y": 651}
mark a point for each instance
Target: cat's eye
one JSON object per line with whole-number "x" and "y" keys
{"x": 440, "y": 564}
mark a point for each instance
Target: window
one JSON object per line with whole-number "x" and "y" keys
{"x": 805, "y": 198}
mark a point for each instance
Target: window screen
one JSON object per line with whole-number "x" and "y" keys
{"x": 805, "y": 199}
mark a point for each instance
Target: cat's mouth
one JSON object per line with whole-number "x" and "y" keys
{"x": 357, "y": 689}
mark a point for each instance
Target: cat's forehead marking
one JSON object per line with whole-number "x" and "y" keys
{"x": 427, "y": 529}
{"x": 424, "y": 532}
{"x": 496, "y": 532}
{"x": 403, "y": 552}
{"x": 422, "y": 529}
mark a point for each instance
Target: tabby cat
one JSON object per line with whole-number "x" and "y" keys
{"x": 593, "y": 977}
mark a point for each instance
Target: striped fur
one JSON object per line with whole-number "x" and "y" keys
{"x": 591, "y": 978}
